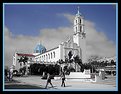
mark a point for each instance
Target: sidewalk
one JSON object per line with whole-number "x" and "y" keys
{"x": 71, "y": 85}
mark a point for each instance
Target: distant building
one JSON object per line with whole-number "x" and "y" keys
{"x": 110, "y": 70}
{"x": 18, "y": 64}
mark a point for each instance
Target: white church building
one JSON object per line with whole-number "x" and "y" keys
{"x": 76, "y": 44}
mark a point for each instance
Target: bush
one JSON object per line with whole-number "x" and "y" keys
{"x": 71, "y": 69}
{"x": 22, "y": 70}
{"x": 57, "y": 69}
{"x": 38, "y": 69}
{"x": 6, "y": 72}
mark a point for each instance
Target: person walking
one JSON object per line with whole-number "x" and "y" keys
{"x": 10, "y": 74}
{"x": 48, "y": 80}
{"x": 63, "y": 79}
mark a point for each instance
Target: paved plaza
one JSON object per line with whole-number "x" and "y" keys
{"x": 38, "y": 84}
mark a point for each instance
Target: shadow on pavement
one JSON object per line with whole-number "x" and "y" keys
{"x": 20, "y": 86}
{"x": 68, "y": 86}
{"x": 12, "y": 81}
{"x": 54, "y": 87}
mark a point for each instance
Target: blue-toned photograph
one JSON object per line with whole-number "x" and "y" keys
{"x": 60, "y": 47}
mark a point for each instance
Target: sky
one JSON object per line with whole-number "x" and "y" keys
{"x": 25, "y": 25}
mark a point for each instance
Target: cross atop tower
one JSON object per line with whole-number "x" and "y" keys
{"x": 78, "y": 13}
{"x": 78, "y": 10}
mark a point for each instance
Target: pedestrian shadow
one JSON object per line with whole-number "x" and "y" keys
{"x": 49, "y": 87}
{"x": 68, "y": 86}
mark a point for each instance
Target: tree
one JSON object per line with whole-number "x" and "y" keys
{"x": 112, "y": 62}
{"x": 24, "y": 60}
{"x": 70, "y": 54}
{"x": 50, "y": 69}
{"x": 23, "y": 70}
{"x": 71, "y": 69}
{"x": 76, "y": 60}
{"x": 6, "y": 71}
{"x": 93, "y": 61}
{"x": 57, "y": 69}
{"x": 66, "y": 70}
{"x": 60, "y": 61}
{"x": 20, "y": 60}
{"x": 37, "y": 69}
{"x": 93, "y": 58}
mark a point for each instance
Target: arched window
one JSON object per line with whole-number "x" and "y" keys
{"x": 80, "y": 21}
{"x": 46, "y": 56}
{"x": 76, "y": 29}
{"x": 51, "y": 54}
{"x": 76, "y": 21}
{"x": 80, "y": 28}
{"x": 54, "y": 54}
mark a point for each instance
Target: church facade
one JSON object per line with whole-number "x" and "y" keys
{"x": 76, "y": 44}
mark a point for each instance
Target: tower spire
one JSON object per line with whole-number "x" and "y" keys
{"x": 78, "y": 13}
{"x": 78, "y": 10}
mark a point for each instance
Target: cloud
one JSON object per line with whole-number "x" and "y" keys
{"x": 69, "y": 17}
{"x": 20, "y": 43}
{"x": 97, "y": 42}
{"x": 53, "y": 37}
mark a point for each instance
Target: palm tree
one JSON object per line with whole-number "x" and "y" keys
{"x": 20, "y": 60}
{"x": 23, "y": 59}
{"x": 70, "y": 54}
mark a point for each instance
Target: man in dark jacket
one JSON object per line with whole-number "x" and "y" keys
{"x": 48, "y": 80}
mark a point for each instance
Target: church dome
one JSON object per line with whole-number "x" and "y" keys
{"x": 40, "y": 49}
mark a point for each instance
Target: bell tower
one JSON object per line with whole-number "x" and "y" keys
{"x": 78, "y": 23}
{"x": 79, "y": 36}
